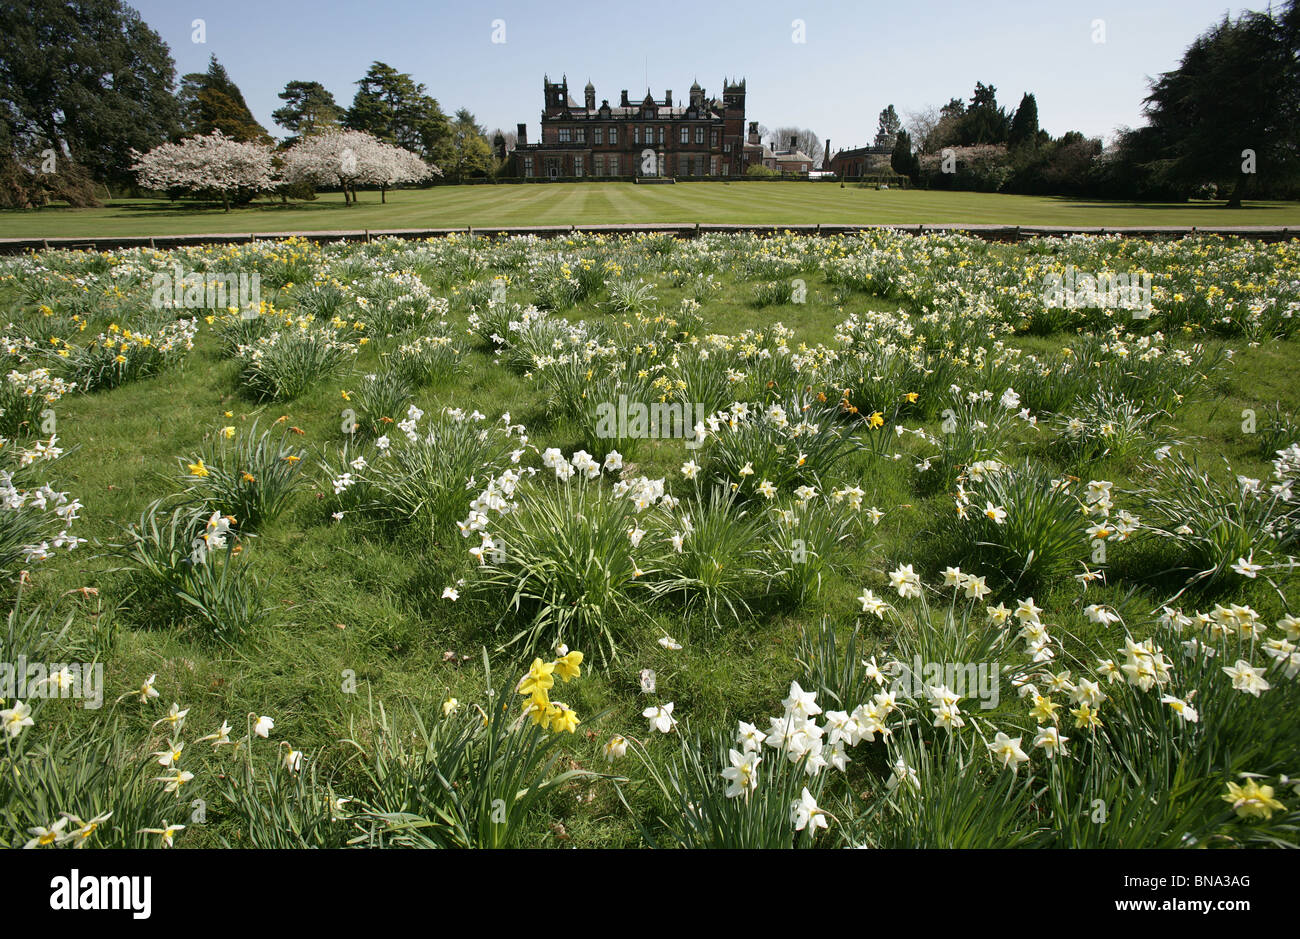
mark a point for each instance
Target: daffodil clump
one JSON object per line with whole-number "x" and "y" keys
{"x": 35, "y": 519}
{"x": 27, "y": 399}
{"x": 536, "y": 685}
{"x": 122, "y": 355}
{"x": 284, "y": 364}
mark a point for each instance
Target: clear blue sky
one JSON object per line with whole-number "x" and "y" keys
{"x": 858, "y": 55}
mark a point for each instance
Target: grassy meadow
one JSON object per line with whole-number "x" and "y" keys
{"x": 897, "y": 392}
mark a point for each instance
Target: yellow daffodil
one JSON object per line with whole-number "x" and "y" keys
{"x": 538, "y": 678}
{"x": 569, "y": 666}
{"x": 1251, "y": 800}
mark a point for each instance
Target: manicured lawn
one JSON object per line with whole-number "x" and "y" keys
{"x": 610, "y": 203}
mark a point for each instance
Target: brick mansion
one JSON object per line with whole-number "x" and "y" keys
{"x": 701, "y": 137}
{"x": 696, "y": 137}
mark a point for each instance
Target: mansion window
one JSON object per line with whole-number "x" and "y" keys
{"x": 577, "y": 165}
{"x": 528, "y": 166}
{"x": 726, "y": 169}
{"x": 713, "y": 139}
{"x": 582, "y": 135}
{"x": 598, "y": 135}
{"x": 713, "y": 166}
{"x": 598, "y": 165}
{"x": 699, "y": 136}
{"x": 614, "y": 160}
{"x": 661, "y": 134}
{"x": 685, "y": 138}
{"x": 613, "y": 136}
{"x": 636, "y": 134}
{"x": 564, "y": 135}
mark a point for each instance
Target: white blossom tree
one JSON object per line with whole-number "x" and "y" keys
{"x": 211, "y": 163}
{"x": 348, "y": 157}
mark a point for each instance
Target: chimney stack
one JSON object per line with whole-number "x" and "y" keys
{"x": 521, "y": 135}
{"x": 623, "y": 102}
{"x": 794, "y": 143}
{"x": 668, "y": 97}
{"x": 826, "y": 155}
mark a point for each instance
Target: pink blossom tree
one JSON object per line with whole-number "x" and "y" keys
{"x": 210, "y": 163}
{"x": 348, "y": 157}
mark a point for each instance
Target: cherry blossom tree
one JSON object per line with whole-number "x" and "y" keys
{"x": 208, "y": 163}
{"x": 346, "y": 158}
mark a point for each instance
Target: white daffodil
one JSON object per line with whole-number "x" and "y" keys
{"x": 661, "y": 718}
{"x": 1246, "y": 678}
{"x": 801, "y": 703}
{"x": 147, "y": 689}
{"x": 80, "y": 835}
{"x": 168, "y": 832}
{"x": 804, "y": 813}
{"x": 14, "y": 719}
{"x": 1049, "y": 739}
{"x": 873, "y": 604}
{"x": 1006, "y": 750}
{"x": 175, "y": 717}
{"x": 1181, "y": 708}
{"x": 1247, "y": 567}
{"x": 906, "y": 581}
{"x": 43, "y": 837}
{"x": 222, "y": 736}
{"x": 615, "y": 748}
{"x": 742, "y": 774}
{"x": 749, "y": 736}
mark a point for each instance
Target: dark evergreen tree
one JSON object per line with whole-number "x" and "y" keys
{"x": 1230, "y": 112}
{"x": 390, "y": 105}
{"x": 984, "y": 121}
{"x": 308, "y": 109}
{"x": 903, "y": 161}
{"x": 1024, "y": 126}
{"x": 211, "y": 101}
{"x": 87, "y": 79}
{"x": 888, "y": 126}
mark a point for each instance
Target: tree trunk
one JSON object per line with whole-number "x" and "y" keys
{"x": 1234, "y": 200}
{"x": 383, "y": 195}
{"x": 225, "y": 199}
